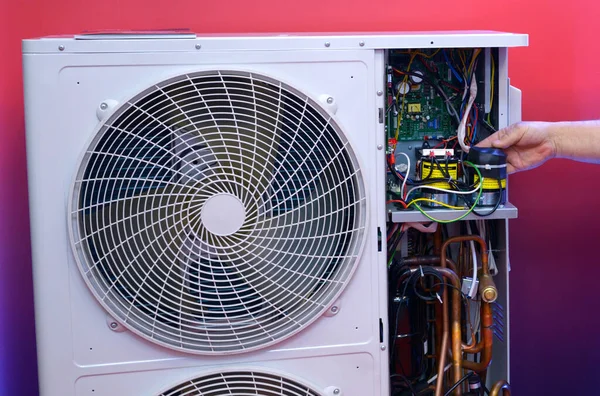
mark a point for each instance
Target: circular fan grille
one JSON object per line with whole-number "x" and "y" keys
{"x": 218, "y": 212}
{"x": 241, "y": 383}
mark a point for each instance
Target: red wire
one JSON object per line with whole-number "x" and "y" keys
{"x": 397, "y": 201}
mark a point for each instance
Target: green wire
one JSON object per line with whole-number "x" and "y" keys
{"x": 391, "y": 258}
{"x": 470, "y": 209}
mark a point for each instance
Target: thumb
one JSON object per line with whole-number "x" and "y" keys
{"x": 502, "y": 139}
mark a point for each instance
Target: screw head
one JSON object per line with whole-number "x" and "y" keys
{"x": 361, "y": 43}
{"x": 114, "y": 325}
{"x": 336, "y": 391}
{"x": 410, "y": 147}
{"x": 334, "y": 309}
{"x": 382, "y": 347}
{"x": 379, "y": 147}
{"x": 198, "y": 46}
{"x": 379, "y": 93}
{"x": 330, "y": 100}
{"x": 327, "y": 44}
{"x": 103, "y": 106}
{"x": 61, "y": 47}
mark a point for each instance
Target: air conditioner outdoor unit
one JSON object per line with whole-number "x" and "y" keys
{"x": 208, "y": 213}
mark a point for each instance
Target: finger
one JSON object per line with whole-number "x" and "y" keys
{"x": 504, "y": 138}
{"x": 487, "y": 142}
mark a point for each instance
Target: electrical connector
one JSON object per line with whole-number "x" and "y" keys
{"x": 466, "y": 287}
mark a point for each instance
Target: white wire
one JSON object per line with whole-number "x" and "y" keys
{"x": 430, "y": 229}
{"x": 460, "y": 133}
{"x": 406, "y": 176}
{"x": 476, "y": 189}
{"x": 472, "y": 290}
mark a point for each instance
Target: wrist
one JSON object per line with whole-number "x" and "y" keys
{"x": 574, "y": 139}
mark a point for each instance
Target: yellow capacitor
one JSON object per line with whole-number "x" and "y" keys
{"x": 414, "y": 107}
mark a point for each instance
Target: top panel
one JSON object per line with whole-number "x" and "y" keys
{"x": 166, "y": 41}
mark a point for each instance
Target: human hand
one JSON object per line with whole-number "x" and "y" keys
{"x": 527, "y": 145}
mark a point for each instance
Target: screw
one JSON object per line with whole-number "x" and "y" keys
{"x": 103, "y": 106}
{"x": 361, "y": 43}
{"x": 334, "y": 309}
{"x": 379, "y": 147}
{"x": 382, "y": 347}
{"x": 379, "y": 93}
{"x": 410, "y": 147}
{"x": 198, "y": 46}
{"x": 336, "y": 391}
{"x": 113, "y": 325}
{"x": 61, "y": 47}
{"x": 327, "y": 44}
{"x": 330, "y": 100}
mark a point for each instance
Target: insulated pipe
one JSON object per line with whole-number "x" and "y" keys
{"x": 500, "y": 386}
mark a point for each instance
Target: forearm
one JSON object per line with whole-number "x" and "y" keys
{"x": 579, "y": 140}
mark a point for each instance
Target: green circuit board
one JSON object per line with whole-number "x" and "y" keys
{"x": 424, "y": 115}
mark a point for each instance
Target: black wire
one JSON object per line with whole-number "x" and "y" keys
{"x": 395, "y": 241}
{"x": 406, "y": 381}
{"x": 421, "y": 273}
{"x": 496, "y": 206}
{"x": 460, "y": 381}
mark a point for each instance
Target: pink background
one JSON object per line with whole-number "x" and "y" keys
{"x": 554, "y": 286}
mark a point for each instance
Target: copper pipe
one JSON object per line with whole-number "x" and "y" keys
{"x": 456, "y": 330}
{"x": 457, "y": 344}
{"x": 467, "y": 238}
{"x": 485, "y": 346}
{"x": 487, "y": 320}
{"x": 433, "y": 260}
{"x": 429, "y": 260}
{"x": 500, "y": 386}
{"x": 437, "y": 241}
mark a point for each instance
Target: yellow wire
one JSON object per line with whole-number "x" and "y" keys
{"x": 404, "y": 81}
{"x": 436, "y": 202}
{"x": 475, "y": 55}
{"x": 463, "y": 60}
{"x": 491, "y": 88}
{"x": 422, "y": 54}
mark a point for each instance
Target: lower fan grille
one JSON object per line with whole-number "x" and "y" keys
{"x": 241, "y": 383}
{"x": 218, "y": 212}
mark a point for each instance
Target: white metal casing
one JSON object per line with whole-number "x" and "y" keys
{"x": 65, "y": 82}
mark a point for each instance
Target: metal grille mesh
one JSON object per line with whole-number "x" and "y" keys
{"x": 218, "y": 212}
{"x": 241, "y": 383}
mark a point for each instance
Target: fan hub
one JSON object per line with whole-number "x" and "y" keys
{"x": 223, "y": 214}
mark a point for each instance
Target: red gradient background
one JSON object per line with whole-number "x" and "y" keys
{"x": 554, "y": 289}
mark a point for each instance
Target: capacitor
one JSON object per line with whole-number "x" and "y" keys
{"x": 417, "y": 77}
{"x": 403, "y": 88}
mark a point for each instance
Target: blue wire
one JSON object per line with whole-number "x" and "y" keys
{"x": 474, "y": 127}
{"x": 452, "y": 67}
